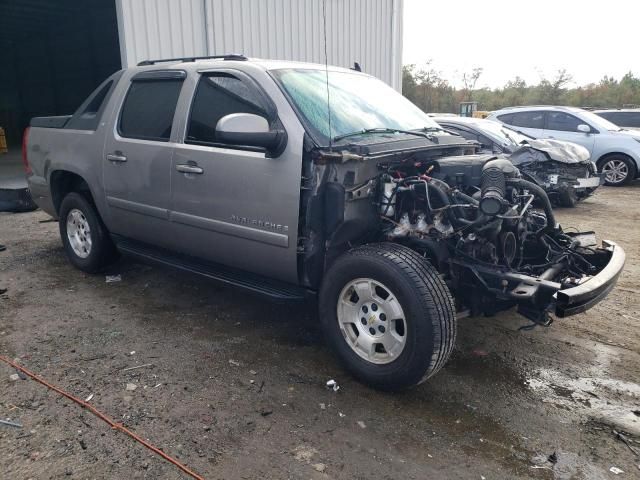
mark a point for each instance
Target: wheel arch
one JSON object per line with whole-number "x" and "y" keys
{"x": 604, "y": 156}
{"x": 62, "y": 182}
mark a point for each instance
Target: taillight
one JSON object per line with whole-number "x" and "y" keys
{"x": 25, "y": 160}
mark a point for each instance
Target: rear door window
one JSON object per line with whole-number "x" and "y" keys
{"x": 216, "y": 96}
{"x": 533, "y": 119}
{"x": 148, "y": 109}
{"x": 562, "y": 122}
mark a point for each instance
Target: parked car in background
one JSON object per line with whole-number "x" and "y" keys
{"x": 616, "y": 151}
{"x": 563, "y": 169}
{"x": 623, "y": 117}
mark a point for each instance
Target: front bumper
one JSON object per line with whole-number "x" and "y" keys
{"x": 584, "y": 296}
{"x": 591, "y": 182}
{"x": 538, "y": 296}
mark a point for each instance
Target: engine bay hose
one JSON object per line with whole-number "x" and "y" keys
{"x": 542, "y": 195}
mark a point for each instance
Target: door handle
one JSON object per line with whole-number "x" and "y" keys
{"x": 113, "y": 157}
{"x": 186, "y": 168}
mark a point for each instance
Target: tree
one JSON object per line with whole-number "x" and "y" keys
{"x": 470, "y": 79}
{"x": 426, "y": 87}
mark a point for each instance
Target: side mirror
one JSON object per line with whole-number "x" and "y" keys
{"x": 250, "y": 130}
{"x": 584, "y": 128}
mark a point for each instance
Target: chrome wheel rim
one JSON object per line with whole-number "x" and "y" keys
{"x": 372, "y": 321}
{"x": 615, "y": 171}
{"x": 79, "y": 233}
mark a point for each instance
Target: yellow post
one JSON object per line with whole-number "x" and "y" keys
{"x": 3, "y": 141}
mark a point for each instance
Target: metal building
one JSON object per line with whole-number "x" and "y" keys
{"x": 55, "y": 53}
{"x": 365, "y": 31}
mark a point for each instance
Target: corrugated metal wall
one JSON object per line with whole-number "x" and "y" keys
{"x": 366, "y": 31}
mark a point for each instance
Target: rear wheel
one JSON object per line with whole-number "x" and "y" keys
{"x": 84, "y": 236}
{"x": 388, "y": 315}
{"x": 617, "y": 169}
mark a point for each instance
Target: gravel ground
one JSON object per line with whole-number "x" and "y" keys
{"x": 235, "y": 386}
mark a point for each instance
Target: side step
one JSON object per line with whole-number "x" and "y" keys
{"x": 275, "y": 290}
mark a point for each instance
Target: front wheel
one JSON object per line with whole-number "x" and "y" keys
{"x": 388, "y": 315}
{"x": 618, "y": 170}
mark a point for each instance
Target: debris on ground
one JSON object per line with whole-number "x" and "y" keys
{"x": 137, "y": 366}
{"x": 623, "y": 438}
{"x": 333, "y": 385}
{"x": 323, "y": 406}
{"x": 319, "y": 467}
{"x": 361, "y": 424}
{"x": 616, "y": 470}
{"x": 235, "y": 363}
{"x": 131, "y": 387}
{"x": 253, "y": 372}
{"x": 341, "y": 415}
{"x": 10, "y": 424}
{"x": 14, "y": 377}
{"x": 113, "y": 278}
{"x": 265, "y": 412}
{"x": 88, "y": 399}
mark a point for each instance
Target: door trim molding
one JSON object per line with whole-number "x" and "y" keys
{"x": 136, "y": 207}
{"x": 242, "y": 231}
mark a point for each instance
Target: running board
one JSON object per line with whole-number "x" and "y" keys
{"x": 275, "y": 290}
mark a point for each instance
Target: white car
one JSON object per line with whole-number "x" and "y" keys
{"x": 615, "y": 150}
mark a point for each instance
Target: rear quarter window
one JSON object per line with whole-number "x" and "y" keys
{"x": 88, "y": 116}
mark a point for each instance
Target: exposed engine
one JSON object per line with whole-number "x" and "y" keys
{"x": 486, "y": 229}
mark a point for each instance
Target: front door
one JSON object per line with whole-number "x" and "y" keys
{"x": 235, "y": 205}
{"x": 137, "y": 159}
{"x": 564, "y": 126}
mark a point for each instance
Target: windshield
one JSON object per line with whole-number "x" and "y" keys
{"x": 506, "y": 135}
{"x": 599, "y": 122}
{"x": 358, "y": 102}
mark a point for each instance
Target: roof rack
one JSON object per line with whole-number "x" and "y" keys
{"x": 229, "y": 56}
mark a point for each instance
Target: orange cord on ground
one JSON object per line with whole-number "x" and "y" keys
{"x": 97, "y": 413}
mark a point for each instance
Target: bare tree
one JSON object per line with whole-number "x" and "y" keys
{"x": 553, "y": 89}
{"x": 470, "y": 79}
{"x": 427, "y": 78}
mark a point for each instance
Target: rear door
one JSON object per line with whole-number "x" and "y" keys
{"x": 530, "y": 122}
{"x": 137, "y": 157}
{"x": 564, "y": 126}
{"x": 235, "y": 205}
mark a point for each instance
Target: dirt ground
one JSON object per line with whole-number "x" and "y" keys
{"x": 236, "y": 385}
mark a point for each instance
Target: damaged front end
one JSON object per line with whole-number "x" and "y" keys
{"x": 489, "y": 230}
{"x": 562, "y": 169}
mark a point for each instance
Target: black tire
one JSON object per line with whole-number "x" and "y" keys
{"x": 568, "y": 198}
{"x": 425, "y": 300}
{"x": 102, "y": 251}
{"x": 630, "y": 164}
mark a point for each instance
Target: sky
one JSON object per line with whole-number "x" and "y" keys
{"x": 529, "y": 38}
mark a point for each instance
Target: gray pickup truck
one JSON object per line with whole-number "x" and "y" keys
{"x": 297, "y": 182}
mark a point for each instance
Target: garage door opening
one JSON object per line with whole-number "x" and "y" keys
{"x": 53, "y": 54}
